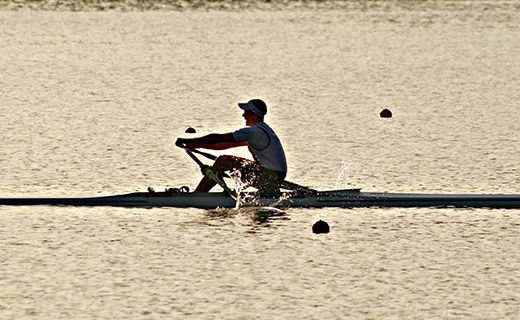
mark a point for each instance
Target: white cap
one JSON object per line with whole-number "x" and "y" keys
{"x": 255, "y": 105}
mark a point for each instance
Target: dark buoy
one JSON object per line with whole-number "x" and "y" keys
{"x": 385, "y": 113}
{"x": 320, "y": 227}
{"x": 190, "y": 130}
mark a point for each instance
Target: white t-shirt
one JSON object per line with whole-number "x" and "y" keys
{"x": 264, "y": 145}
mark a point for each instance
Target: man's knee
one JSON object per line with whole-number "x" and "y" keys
{"x": 227, "y": 163}
{"x": 223, "y": 161}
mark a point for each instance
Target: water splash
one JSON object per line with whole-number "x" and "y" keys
{"x": 341, "y": 180}
{"x": 238, "y": 185}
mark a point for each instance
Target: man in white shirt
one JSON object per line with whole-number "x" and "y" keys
{"x": 269, "y": 167}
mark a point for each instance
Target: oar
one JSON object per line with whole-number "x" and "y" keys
{"x": 285, "y": 184}
{"x": 207, "y": 155}
{"x": 209, "y": 173}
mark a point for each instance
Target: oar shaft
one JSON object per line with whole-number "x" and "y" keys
{"x": 207, "y": 155}
{"x": 210, "y": 174}
{"x": 194, "y": 158}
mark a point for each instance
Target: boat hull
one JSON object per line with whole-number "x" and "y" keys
{"x": 337, "y": 198}
{"x": 138, "y": 199}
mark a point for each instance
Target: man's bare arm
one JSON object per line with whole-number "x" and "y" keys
{"x": 214, "y": 141}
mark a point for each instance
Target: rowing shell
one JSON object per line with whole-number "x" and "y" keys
{"x": 348, "y": 198}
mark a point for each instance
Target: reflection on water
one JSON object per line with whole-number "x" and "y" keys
{"x": 92, "y": 104}
{"x": 255, "y": 215}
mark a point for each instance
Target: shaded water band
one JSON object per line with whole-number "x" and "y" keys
{"x": 180, "y": 5}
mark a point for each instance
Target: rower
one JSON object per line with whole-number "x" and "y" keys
{"x": 269, "y": 167}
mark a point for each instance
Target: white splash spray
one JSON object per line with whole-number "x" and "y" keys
{"x": 237, "y": 185}
{"x": 341, "y": 180}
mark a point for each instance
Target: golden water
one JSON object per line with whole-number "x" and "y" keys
{"x": 91, "y": 103}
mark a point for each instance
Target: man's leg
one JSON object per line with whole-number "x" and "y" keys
{"x": 222, "y": 164}
{"x": 268, "y": 181}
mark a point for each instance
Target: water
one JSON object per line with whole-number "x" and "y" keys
{"x": 92, "y": 103}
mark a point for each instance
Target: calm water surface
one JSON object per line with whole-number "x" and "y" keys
{"x": 91, "y": 104}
